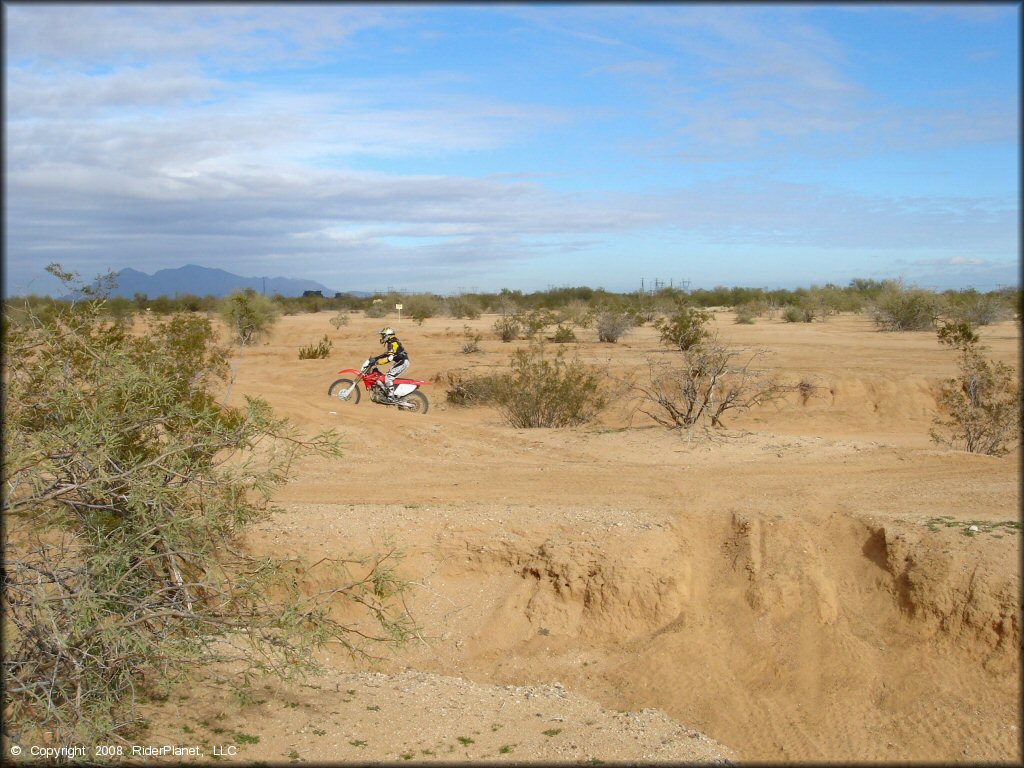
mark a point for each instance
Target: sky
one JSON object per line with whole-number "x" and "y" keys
{"x": 462, "y": 147}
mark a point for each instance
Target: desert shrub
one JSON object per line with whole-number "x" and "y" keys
{"x": 319, "y": 351}
{"x": 977, "y": 308}
{"x": 612, "y": 324}
{"x": 533, "y": 322}
{"x": 684, "y": 329}
{"x": 980, "y": 408}
{"x": 745, "y": 314}
{"x": 541, "y": 391}
{"x": 128, "y": 489}
{"x": 338, "y": 320}
{"x": 898, "y": 308}
{"x": 794, "y": 314}
{"x": 507, "y": 328}
{"x": 564, "y": 335}
{"x": 463, "y": 390}
{"x": 577, "y": 313}
{"x": 422, "y": 306}
{"x": 472, "y": 344}
{"x": 462, "y": 307}
{"x": 705, "y": 382}
{"x": 249, "y": 315}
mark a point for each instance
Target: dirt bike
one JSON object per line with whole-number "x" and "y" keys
{"x": 407, "y": 395}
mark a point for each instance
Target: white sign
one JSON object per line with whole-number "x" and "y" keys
{"x": 398, "y": 307}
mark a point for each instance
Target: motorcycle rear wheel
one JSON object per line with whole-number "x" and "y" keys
{"x": 414, "y": 402}
{"x": 338, "y": 388}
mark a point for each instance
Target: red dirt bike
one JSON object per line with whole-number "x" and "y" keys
{"x": 407, "y": 395}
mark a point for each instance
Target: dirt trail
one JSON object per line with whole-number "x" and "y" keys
{"x": 808, "y": 590}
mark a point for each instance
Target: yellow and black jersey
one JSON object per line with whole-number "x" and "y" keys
{"x": 395, "y": 352}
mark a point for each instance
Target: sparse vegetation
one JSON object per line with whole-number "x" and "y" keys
{"x": 472, "y": 344}
{"x": 127, "y": 485}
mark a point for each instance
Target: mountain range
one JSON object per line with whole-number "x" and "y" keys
{"x": 204, "y": 281}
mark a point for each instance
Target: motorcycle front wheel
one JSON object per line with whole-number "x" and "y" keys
{"x": 414, "y": 402}
{"x": 346, "y": 390}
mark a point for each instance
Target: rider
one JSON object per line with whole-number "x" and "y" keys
{"x": 395, "y": 354}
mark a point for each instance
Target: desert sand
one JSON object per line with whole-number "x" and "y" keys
{"x": 806, "y": 588}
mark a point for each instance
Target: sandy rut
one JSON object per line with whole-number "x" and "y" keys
{"x": 808, "y": 589}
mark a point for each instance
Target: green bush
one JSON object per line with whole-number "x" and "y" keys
{"x": 564, "y": 335}
{"x": 421, "y": 307}
{"x": 318, "y": 351}
{"x": 507, "y": 328}
{"x": 684, "y": 329}
{"x": 795, "y": 314}
{"x": 129, "y": 488}
{"x": 249, "y": 315}
{"x": 533, "y": 322}
{"x": 898, "y": 308}
{"x": 979, "y": 409}
{"x": 544, "y": 392}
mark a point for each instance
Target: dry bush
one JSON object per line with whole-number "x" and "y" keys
{"x": 463, "y": 390}
{"x": 472, "y": 344}
{"x": 702, "y": 384}
{"x": 612, "y": 324}
{"x": 340, "y": 319}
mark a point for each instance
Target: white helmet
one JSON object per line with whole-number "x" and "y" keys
{"x": 386, "y": 333}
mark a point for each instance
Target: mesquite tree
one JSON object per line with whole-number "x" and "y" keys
{"x": 126, "y": 488}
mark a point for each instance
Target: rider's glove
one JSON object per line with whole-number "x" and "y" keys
{"x": 391, "y": 358}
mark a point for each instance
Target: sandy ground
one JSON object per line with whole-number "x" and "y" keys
{"x": 808, "y": 589}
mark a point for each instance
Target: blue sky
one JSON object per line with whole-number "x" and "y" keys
{"x": 433, "y": 147}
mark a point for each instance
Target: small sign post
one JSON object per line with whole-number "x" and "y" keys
{"x": 399, "y": 308}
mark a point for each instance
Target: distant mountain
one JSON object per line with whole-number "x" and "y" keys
{"x": 204, "y": 281}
